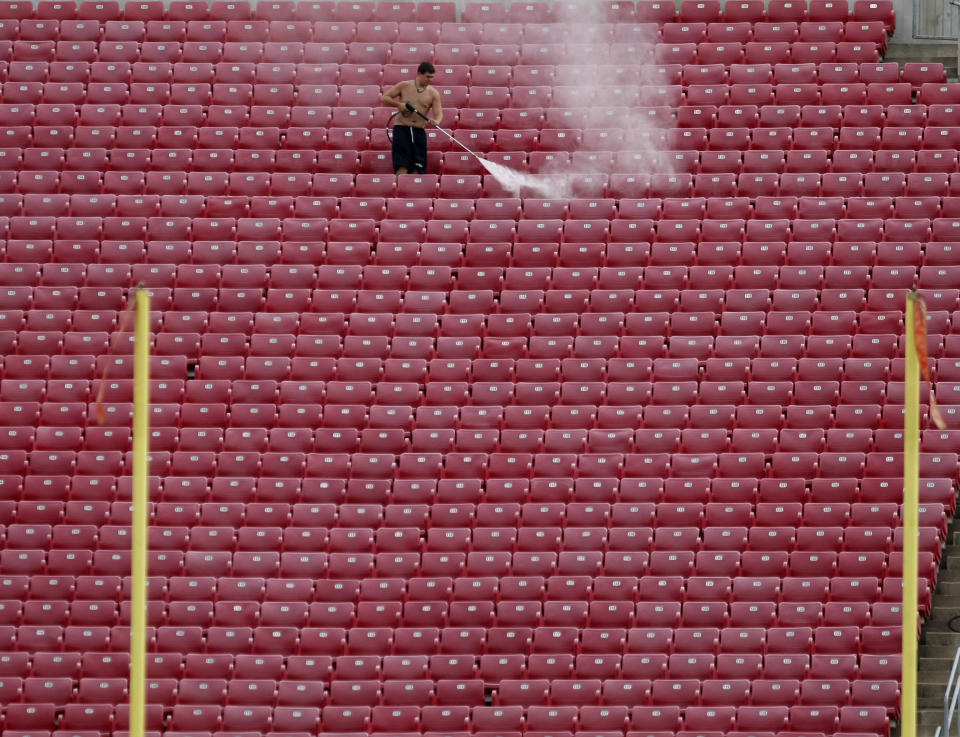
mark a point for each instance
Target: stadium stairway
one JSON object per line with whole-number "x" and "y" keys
{"x": 940, "y": 639}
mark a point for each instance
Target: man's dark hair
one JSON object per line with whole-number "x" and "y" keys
{"x": 426, "y": 68}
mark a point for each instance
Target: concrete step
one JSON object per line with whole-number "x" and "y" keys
{"x": 929, "y": 716}
{"x": 926, "y": 650}
{"x": 947, "y": 640}
{"x": 933, "y": 51}
{"x": 936, "y": 665}
{"x": 948, "y": 586}
{"x": 940, "y": 615}
{"x": 931, "y": 691}
{"x": 945, "y": 603}
{"x": 936, "y": 681}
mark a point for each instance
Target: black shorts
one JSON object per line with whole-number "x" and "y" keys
{"x": 410, "y": 149}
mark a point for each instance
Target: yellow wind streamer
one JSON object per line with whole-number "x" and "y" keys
{"x": 911, "y": 484}
{"x": 121, "y": 329}
{"x": 920, "y": 342}
{"x": 138, "y": 573}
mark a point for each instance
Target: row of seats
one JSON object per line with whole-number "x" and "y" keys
{"x": 103, "y": 103}
{"x": 713, "y": 152}
{"x": 391, "y": 462}
{"x": 423, "y": 491}
{"x": 312, "y": 351}
{"x": 329, "y": 190}
{"x": 709, "y": 127}
{"x": 785, "y": 229}
{"x": 414, "y": 213}
{"x": 39, "y": 225}
{"x": 445, "y": 12}
{"x": 727, "y": 621}
{"x": 562, "y": 693}
{"x": 703, "y": 127}
{"x": 580, "y": 376}
{"x": 833, "y": 48}
{"x": 206, "y": 721}
{"x": 163, "y": 70}
{"x": 295, "y": 565}
{"x": 259, "y": 359}
{"x": 464, "y": 169}
{"x": 720, "y": 267}
{"x": 389, "y": 32}
{"x": 407, "y": 31}
{"x": 753, "y": 52}
{"x": 467, "y": 53}
{"x": 560, "y": 220}
{"x": 503, "y": 36}
{"x": 260, "y": 31}
{"x": 57, "y": 514}
{"x": 496, "y": 541}
{"x": 865, "y": 547}
{"x": 213, "y": 576}
{"x": 318, "y": 352}
{"x": 719, "y": 262}
{"x": 142, "y": 190}
{"x": 137, "y": 102}
{"x": 363, "y": 10}
{"x": 190, "y": 440}
{"x": 20, "y": 372}
{"x": 264, "y": 387}
{"x": 220, "y": 308}
{"x": 574, "y": 417}
{"x": 32, "y": 377}
{"x": 383, "y": 640}
{"x": 40, "y": 522}
{"x": 244, "y": 667}
{"x": 781, "y": 230}
{"x": 575, "y": 402}
{"x": 692, "y": 149}
{"x": 193, "y": 307}
{"x": 154, "y": 116}
{"x": 121, "y": 121}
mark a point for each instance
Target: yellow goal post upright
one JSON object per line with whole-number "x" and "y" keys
{"x": 911, "y": 484}
{"x": 917, "y": 368}
{"x": 138, "y": 572}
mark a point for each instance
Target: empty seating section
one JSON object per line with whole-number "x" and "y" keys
{"x": 427, "y": 456}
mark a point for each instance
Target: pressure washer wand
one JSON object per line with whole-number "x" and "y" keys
{"x": 477, "y": 156}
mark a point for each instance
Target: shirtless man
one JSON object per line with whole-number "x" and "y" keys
{"x": 409, "y": 130}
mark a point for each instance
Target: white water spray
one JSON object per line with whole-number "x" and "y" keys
{"x": 620, "y": 109}
{"x": 549, "y": 186}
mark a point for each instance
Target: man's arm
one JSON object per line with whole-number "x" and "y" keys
{"x": 391, "y": 97}
{"x": 437, "y": 109}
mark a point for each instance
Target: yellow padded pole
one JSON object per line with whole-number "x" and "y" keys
{"x": 911, "y": 483}
{"x": 138, "y": 572}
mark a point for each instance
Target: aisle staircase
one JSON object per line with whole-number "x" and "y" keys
{"x": 940, "y": 639}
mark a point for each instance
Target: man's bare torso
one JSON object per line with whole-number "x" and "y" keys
{"x": 422, "y": 100}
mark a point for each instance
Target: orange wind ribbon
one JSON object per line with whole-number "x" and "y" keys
{"x": 920, "y": 338}
{"x": 121, "y": 328}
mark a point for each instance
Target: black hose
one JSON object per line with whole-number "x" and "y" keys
{"x": 389, "y": 128}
